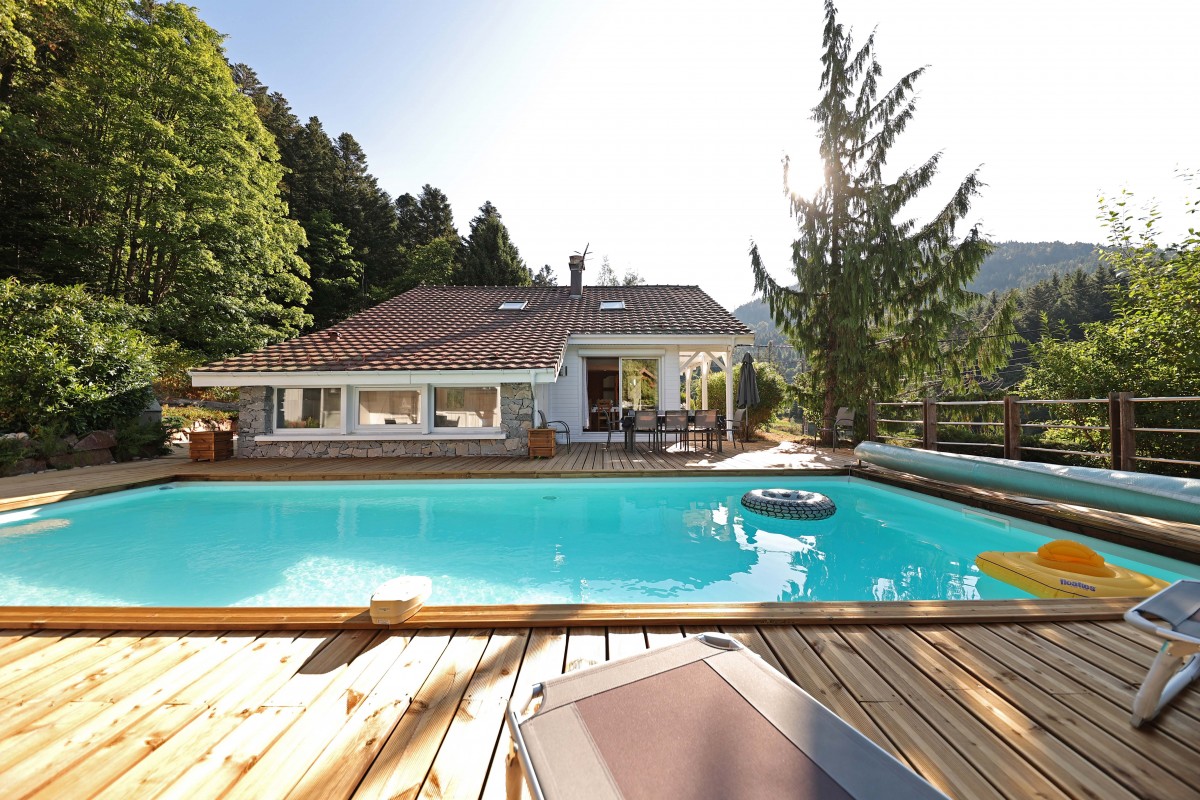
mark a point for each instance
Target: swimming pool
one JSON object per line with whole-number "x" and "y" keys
{"x": 509, "y": 541}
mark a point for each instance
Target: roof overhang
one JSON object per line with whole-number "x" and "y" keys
{"x": 711, "y": 341}
{"x": 372, "y": 377}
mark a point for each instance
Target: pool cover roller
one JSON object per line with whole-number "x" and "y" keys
{"x": 1157, "y": 496}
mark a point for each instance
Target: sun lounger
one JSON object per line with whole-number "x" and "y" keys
{"x": 704, "y": 718}
{"x": 1174, "y": 615}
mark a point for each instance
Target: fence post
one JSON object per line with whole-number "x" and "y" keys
{"x": 929, "y": 423}
{"x": 1128, "y": 440}
{"x": 1114, "y": 429}
{"x": 1012, "y": 427}
{"x": 872, "y": 422}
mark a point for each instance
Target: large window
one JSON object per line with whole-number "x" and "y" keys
{"x": 308, "y": 409}
{"x": 466, "y": 407}
{"x": 389, "y": 407}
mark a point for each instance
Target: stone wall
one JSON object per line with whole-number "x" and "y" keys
{"x": 254, "y": 419}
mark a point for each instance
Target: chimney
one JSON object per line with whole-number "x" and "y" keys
{"x": 576, "y": 277}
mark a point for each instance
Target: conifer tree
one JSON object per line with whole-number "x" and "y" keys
{"x": 489, "y": 256}
{"x": 879, "y": 300}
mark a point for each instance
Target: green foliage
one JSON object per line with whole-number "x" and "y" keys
{"x": 1014, "y": 265}
{"x": 49, "y": 440}
{"x": 1151, "y": 347}
{"x": 69, "y": 358}
{"x": 137, "y": 169}
{"x": 543, "y": 277}
{"x": 607, "y": 276}
{"x": 336, "y": 277}
{"x": 489, "y": 256}
{"x": 186, "y": 417}
{"x": 173, "y": 380}
{"x": 11, "y": 452}
{"x": 138, "y": 438}
{"x": 879, "y": 300}
{"x": 772, "y": 393}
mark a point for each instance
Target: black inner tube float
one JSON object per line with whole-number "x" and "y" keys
{"x": 788, "y": 504}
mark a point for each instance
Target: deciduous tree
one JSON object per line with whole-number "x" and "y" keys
{"x": 149, "y": 178}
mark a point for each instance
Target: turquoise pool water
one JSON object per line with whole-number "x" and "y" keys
{"x": 500, "y": 541}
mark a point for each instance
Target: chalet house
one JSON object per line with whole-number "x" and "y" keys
{"x": 463, "y": 370}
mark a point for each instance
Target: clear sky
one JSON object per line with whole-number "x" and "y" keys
{"x": 653, "y": 132}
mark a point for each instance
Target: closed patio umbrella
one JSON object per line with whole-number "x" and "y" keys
{"x": 747, "y": 390}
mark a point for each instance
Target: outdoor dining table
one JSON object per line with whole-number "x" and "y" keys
{"x": 631, "y": 433}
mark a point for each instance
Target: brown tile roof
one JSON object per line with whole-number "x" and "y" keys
{"x": 460, "y": 327}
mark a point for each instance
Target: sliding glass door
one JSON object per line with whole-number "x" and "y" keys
{"x": 630, "y": 384}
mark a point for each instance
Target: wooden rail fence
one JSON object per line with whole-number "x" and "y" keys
{"x": 1121, "y": 429}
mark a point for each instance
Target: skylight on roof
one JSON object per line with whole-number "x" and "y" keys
{"x": 612, "y": 305}
{"x": 513, "y": 305}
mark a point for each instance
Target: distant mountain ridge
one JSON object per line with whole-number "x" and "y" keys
{"x": 1012, "y": 265}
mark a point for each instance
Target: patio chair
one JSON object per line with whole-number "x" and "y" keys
{"x": 704, "y": 718}
{"x": 609, "y": 418}
{"x": 706, "y": 423}
{"x": 843, "y": 426}
{"x": 737, "y": 426}
{"x": 676, "y": 422}
{"x": 647, "y": 422}
{"x": 565, "y": 428}
{"x": 1174, "y": 615}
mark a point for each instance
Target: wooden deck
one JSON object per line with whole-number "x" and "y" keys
{"x": 583, "y": 460}
{"x": 1037, "y": 709}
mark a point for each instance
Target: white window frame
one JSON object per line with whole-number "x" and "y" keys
{"x": 423, "y": 411}
{"x": 301, "y": 433}
{"x": 433, "y": 426}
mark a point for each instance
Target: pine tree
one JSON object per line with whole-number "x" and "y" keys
{"x": 489, "y": 256}
{"x": 879, "y": 299}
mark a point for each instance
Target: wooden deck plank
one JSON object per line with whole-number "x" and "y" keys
{"x": 928, "y": 752}
{"x": 461, "y": 766}
{"x": 1045, "y": 643}
{"x": 1095, "y": 733}
{"x": 807, "y": 671}
{"x": 987, "y": 754}
{"x": 38, "y": 720}
{"x": 106, "y": 657}
{"x": 1107, "y": 706}
{"x": 73, "y": 731}
{"x": 33, "y": 643}
{"x": 1048, "y": 754}
{"x": 370, "y": 715}
{"x": 545, "y": 657}
{"x": 585, "y": 647}
{"x": 220, "y": 703}
{"x": 858, "y": 676}
{"x": 61, "y": 655}
{"x": 983, "y": 710}
{"x": 409, "y": 752}
{"x": 624, "y": 641}
{"x": 279, "y": 767}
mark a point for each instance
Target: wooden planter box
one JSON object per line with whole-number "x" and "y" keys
{"x": 211, "y": 445}
{"x": 541, "y": 442}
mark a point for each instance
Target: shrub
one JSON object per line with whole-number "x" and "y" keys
{"x": 173, "y": 379}
{"x": 183, "y": 417}
{"x": 772, "y": 392}
{"x": 69, "y": 358}
{"x": 138, "y": 438}
{"x": 11, "y": 452}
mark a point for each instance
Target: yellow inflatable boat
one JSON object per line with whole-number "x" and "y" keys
{"x": 1064, "y": 568}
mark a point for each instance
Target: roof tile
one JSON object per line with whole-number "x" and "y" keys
{"x": 462, "y": 327}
